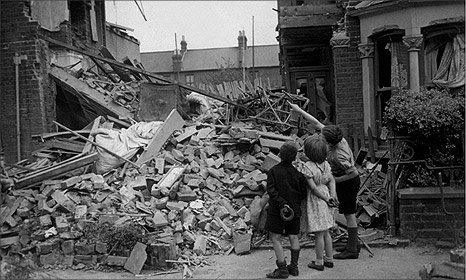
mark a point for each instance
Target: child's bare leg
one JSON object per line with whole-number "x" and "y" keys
{"x": 294, "y": 242}
{"x": 328, "y": 246}
{"x": 319, "y": 247}
{"x": 277, "y": 247}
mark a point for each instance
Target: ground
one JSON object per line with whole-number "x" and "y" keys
{"x": 387, "y": 263}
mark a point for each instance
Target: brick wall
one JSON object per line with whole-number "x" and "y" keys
{"x": 18, "y": 35}
{"x": 348, "y": 79}
{"x": 421, "y": 214}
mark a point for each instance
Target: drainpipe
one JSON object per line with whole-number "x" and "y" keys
{"x": 17, "y": 61}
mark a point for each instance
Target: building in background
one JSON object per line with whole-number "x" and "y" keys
{"x": 216, "y": 65}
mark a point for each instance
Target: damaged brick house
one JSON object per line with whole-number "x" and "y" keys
{"x": 349, "y": 56}
{"x": 340, "y": 53}
{"x": 196, "y": 66}
{"x": 41, "y": 100}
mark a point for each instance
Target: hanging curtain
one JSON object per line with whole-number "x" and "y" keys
{"x": 450, "y": 72}
{"x": 399, "y": 75}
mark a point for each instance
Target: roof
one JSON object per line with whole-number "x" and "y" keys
{"x": 211, "y": 58}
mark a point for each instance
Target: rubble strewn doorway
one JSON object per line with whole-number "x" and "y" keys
{"x": 315, "y": 86}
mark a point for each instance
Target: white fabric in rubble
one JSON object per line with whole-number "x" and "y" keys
{"x": 124, "y": 142}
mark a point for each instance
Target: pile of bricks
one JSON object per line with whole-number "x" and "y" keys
{"x": 200, "y": 195}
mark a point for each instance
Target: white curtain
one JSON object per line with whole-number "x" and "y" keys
{"x": 450, "y": 72}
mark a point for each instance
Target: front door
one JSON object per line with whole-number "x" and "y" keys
{"x": 316, "y": 86}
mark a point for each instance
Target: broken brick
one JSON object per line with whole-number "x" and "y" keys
{"x": 67, "y": 247}
{"x": 159, "y": 219}
{"x": 101, "y": 247}
{"x": 45, "y": 220}
{"x": 116, "y": 260}
{"x": 136, "y": 259}
{"x": 200, "y": 245}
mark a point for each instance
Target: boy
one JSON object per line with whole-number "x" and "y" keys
{"x": 286, "y": 186}
{"x": 341, "y": 160}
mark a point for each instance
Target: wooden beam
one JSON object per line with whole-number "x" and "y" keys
{"x": 95, "y": 126}
{"x": 173, "y": 122}
{"x": 97, "y": 145}
{"x": 82, "y": 90}
{"x": 141, "y": 71}
{"x": 120, "y": 72}
{"x": 102, "y": 68}
{"x": 127, "y": 61}
{"x": 55, "y": 171}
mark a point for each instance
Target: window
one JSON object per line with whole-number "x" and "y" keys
{"x": 190, "y": 80}
{"x": 444, "y": 59}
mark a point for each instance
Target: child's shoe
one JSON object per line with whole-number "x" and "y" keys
{"x": 315, "y": 266}
{"x": 280, "y": 273}
{"x": 328, "y": 264}
{"x": 293, "y": 266}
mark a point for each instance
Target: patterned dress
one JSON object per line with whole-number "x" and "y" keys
{"x": 319, "y": 215}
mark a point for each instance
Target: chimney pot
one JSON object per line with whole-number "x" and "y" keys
{"x": 184, "y": 45}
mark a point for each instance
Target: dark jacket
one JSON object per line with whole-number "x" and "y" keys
{"x": 285, "y": 185}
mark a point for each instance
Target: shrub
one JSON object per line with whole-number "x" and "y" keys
{"x": 434, "y": 120}
{"x": 427, "y": 114}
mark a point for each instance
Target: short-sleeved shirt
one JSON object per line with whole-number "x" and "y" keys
{"x": 287, "y": 184}
{"x": 341, "y": 160}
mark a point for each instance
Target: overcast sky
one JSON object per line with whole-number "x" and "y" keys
{"x": 205, "y": 24}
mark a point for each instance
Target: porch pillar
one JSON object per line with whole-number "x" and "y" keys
{"x": 368, "y": 96}
{"x": 413, "y": 42}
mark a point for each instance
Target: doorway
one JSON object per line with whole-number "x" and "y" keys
{"x": 315, "y": 86}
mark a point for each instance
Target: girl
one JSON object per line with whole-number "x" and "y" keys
{"x": 341, "y": 160}
{"x": 319, "y": 199}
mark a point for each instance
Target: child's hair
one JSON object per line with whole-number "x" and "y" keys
{"x": 333, "y": 134}
{"x": 315, "y": 148}
{"x": 288, "y": 151}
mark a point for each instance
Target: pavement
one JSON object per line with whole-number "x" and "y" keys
{"x": 387, "y": 263}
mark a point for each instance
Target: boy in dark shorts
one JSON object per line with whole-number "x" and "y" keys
{"x": 286, "y": 186}
{"x": 341, "y": 160}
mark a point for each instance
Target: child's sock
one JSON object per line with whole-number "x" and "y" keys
{"x": 327, "y": 259}
{"x": 319, "y": 262}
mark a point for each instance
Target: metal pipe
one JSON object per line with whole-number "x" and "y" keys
{"x": 17, "y": 61}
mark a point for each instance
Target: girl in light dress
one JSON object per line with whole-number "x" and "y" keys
{"x": 320, "y": 199}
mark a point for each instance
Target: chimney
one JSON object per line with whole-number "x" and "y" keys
{"x": 184, "y": 45}
{"x": 242, "y": 40}
{"x": 242, "y": 44}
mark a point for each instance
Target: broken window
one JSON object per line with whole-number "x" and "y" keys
{"x": 389, "y": 72}
{"x": 444, "y": 65}
{"x": 78, "y": 16}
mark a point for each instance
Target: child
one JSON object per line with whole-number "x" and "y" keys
{"x": 341, "y": 160}
{"x": 286, "y": 187}
{"x": 319, "y": 199}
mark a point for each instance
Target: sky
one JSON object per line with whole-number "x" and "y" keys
{"x": 205, "y": 24}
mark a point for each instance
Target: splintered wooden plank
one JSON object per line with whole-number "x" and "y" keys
{"x": 65, "y": 145}
{"x": 173, "y": 122}
{"x": 271, "y": 143}
{"x": 171, "y": 177}
{"x": 120, "y": 72}
{"x": 90, "y": 97}
{"x": 127, "y": 61}
{"x": 187, "y": 133}
{"x": 95, "y": 126}
{"x": 55, "y": 171}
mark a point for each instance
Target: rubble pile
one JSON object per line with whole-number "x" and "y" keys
{"x": 200, "y": 195}
{"x": 125, "y": 94}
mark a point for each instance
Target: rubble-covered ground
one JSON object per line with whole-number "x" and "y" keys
{"x": 387, "y": 263}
